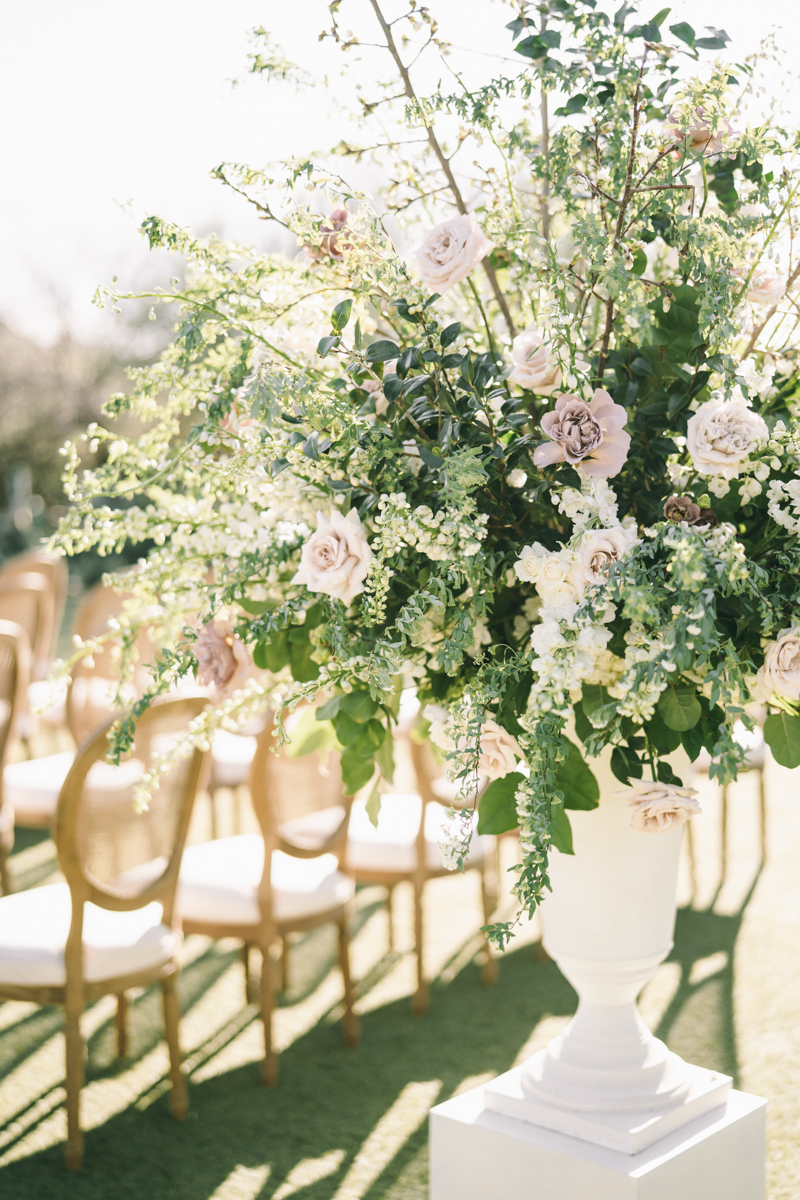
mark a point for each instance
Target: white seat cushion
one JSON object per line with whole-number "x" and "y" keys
{"x": 32, "y": 786}
{"x": 219, "y": 882}
{"x": 41, "y": 692}
{"x": 313, "y": 829}
{"x": 33, "y": 933}
{"x": 231, "y": 757}
{"x": 392, "y": 846}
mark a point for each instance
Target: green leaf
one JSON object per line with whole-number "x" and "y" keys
{"x": 310, "y": 737}
{"x": 583, "y": 726}
{"x": 373, "y": 807}
{"x": 347, "y": 730}
{"x": 356, "y": 772}
{"x": 665, "y": 773}
{"x": 661, "y": 17}
{"x": 450, "y": 333}
{"x": 663, "y": 738}
{"x": 303, "y": 667}
{"x": 597, "y": 704}
{"x": 782, "y": 735}
{"x": 359, "y": 705}
{"x": 576, "y": 780}
{"x": 326, "y": 344}
{"x": 684, "y": 32}
{"x": 382, "y": 351}
{"x": 624, "y": 764}
{"x": 639, "y": 262}
{"x": 329, "y": 709}
{"x": 256, "y": 607}
{"x": 341, "y": 315}
{"x": 274, "y": 654}
{"x": 692, "y": 741}
{"x": 497, "y": 810}
{"x": 384, "y": 757}
{"x": 561, "y": 831}
{"x": 370, "y": 738}
{"x": 679, "y": 707}
{"x": 357, "y": 334}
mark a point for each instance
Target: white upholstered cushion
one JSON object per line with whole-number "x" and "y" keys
{"x": 392, "y": 846}
{"x": 231, "y": 757}
{"x": 219, "y": 881}
{"x": 33, "y": 933}
{"x": 32, "y": 786}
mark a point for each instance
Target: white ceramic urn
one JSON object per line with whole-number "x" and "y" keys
{"x": 608, "y": 924}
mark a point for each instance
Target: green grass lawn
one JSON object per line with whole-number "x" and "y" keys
{"x": 345, "y": 1124}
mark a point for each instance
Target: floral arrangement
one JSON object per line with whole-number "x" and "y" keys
{"x": 518, "y": 431}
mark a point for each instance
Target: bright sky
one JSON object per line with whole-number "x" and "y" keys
{"x": 113, "y": 104}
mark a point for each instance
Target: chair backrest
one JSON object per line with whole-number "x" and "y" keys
{"x": 110, "y": 853}
{"x": 26, "y": 598}
{"x": 93, "y": 681}
{"x": 15, "y": 668}
{"x": 54, "y": 569}
{"x": 299, "y": 803}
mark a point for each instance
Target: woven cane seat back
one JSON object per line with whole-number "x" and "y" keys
{"x": 14, "y": 672}
{"x": 123, "y": 854}
{"x": 299, "y": 802}
{"x": 53, "y": 569}
{"x": 27, "y": 599}
{"x": 94, "y": 680}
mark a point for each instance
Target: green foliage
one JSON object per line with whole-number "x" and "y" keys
{"x": 782, "y": 735}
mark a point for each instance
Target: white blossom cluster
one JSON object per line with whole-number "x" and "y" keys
{"x": 437, "y": 535}
{"x": 594, "y": 504}
{"x": 788, "y": 493}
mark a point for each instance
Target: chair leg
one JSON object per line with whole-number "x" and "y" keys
{"x": 122, "y": 1025}
{"x": 6, "y": 846}
{"x": 214, "y": 824}
{"x": 269, "y": 1063}
{"x": 179, "y": 1100}
{"x": 6, "y": 886}
{"x": 250, "y": 985}
{"x": 692, "y": 860}
{"x": 350, "y": 1024}
{"x": 724, "y": 856}
{"x": 285, "y": 963}
{"x": 762, "y": 802}
{"x": 489, "y": 899}
{"x": 73, "y": 1150}
{"x": 419, "y": 1001}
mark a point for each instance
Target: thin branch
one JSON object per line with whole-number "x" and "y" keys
{"x": 443, "y": 161}
{"x": 759, "y": 329}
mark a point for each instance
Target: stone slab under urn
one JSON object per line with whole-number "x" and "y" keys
{"x": 605, "y": 1110}
{"x": 479, "y": 1154}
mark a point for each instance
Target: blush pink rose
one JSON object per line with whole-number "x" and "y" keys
{"x": 336, "y": 558}
{"x": 222, "y": 660}
{"x": 659, "y": 807}
{"x": 591, "y": 436}
{"x": 534, "y": 369}
{"x": 450, "y": 251}
{"x": 696, "y": 129}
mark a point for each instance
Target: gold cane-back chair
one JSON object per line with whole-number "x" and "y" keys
{"x": 15, "y": 660}
{"x": 404, "y": 848}
{"x": 110, "y": 926}
{"x": 261, "y": 888}
{"x": 26, "y": 597}
{"x": 53, "y": 569}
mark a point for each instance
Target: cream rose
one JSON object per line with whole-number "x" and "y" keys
{"x": 696, "y": 128}
{"x": 766, "y": 289}
{"x": 554, "y": 583}
{"x": 658, "y": 807}
{"x": 596, "y": 552}
{"x": 780, "y": 673}
{"x": 336, "y": 558}
{"x": 499, "y": 751}
{"x": 450, "y": 250}
{"x": 529, "y": 564}
{"x": 534, "y": 369}
{"x": 721, "y": 435}
{"x": 222, "y": 660}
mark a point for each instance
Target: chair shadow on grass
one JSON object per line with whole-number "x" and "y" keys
{"x": 330, "y": 1098}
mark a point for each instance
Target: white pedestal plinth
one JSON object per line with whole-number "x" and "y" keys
{"x": 479, "y": 1154}
{"x": 626, "y": 1131}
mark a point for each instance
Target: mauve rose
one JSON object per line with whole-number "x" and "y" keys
{"x": 222, "y": 660}
{"x": 697, "y": 130}
{"x": 658, "y": 807}
{"x": 766, "y": 289}
{"x": 499, "y": 751}
{"x": 781, "y": 670}
{"x": 721, "y": 435}
{"x": 591, "y": 436}
{"x": 681, "y": 508}
{"x": 533, "y": 367}
{"x": 450, "y": 250}
{"x": 336, "y": 558}
{"x": 331, "y": 228}
{"x": 596, "y": 552}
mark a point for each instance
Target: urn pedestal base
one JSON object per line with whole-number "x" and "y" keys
{"x": 478, "y": 1153}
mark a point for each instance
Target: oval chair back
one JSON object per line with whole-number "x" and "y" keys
{"x": 15, "y": 664}
{"x": 53, "y": 568}
{"x": 110, "y": 853}
{"x": 26, "y": 598}
{"x": 93, "y": 681}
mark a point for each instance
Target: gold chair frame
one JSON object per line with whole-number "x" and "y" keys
{"x": 53, "y": 568}
{"x": 77, "y": 992}
{"x": 15, "y": 656}
{"x": 263, "y": 781}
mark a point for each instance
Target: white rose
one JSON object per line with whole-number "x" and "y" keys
{"x": 658, "y": 807}
{"x": 766, "y": 289}
{"x": 529, "y": 564}
{"x": 781, "y": 670}
{"x": 596, "y": 551}
{"x": 534, "y": 369}
{"x": 499, "y": 751}
{"x": 336, "y": 558}
{"x": 721, "y": 434}
{"x": 450, "y": 250}
{"x": 517, "y": 478}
